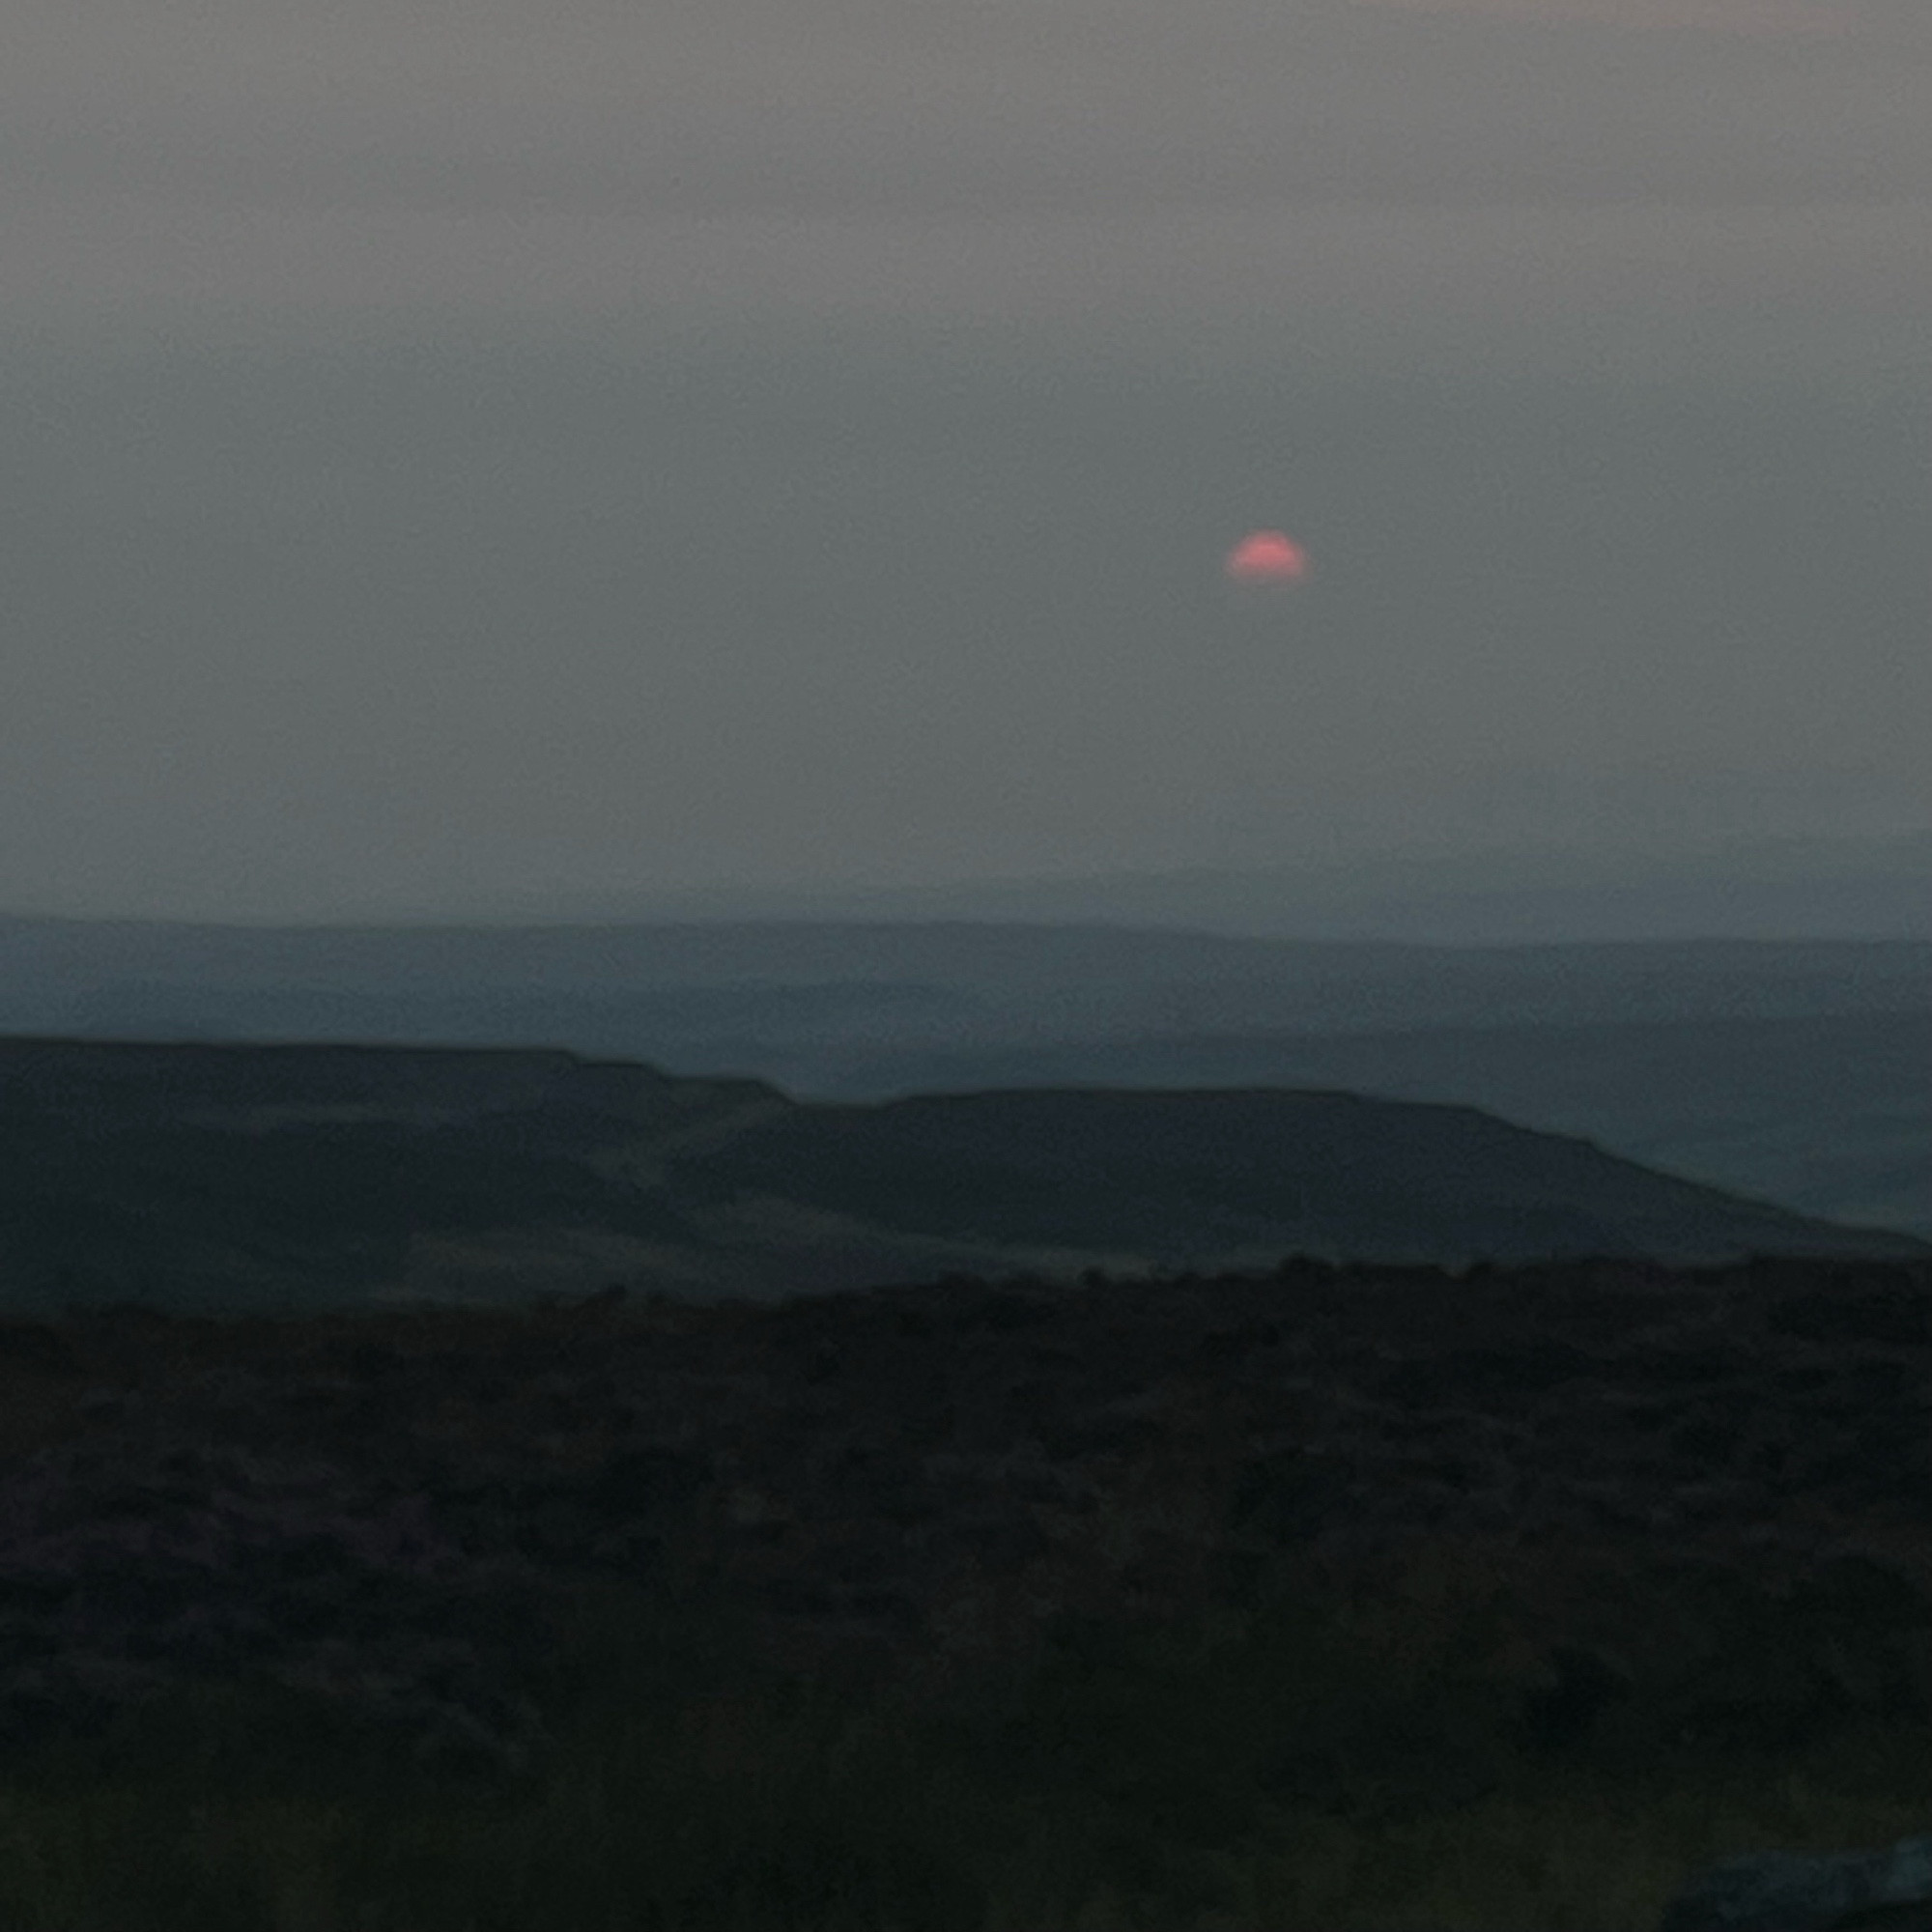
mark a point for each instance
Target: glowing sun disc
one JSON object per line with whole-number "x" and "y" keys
{"x": 1266, "y": 556}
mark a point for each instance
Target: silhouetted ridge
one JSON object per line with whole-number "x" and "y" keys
{"x": 1258, "y": 1169}
{"x": 305, "y": 1177}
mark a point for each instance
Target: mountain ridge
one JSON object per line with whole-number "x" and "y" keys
{"x": 231, "y": 1175}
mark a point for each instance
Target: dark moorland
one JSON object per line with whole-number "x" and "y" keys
{"x": 267, "y": 1178}
{"x": 947, "y": 1515}
{"x": 1161, "y": 1603}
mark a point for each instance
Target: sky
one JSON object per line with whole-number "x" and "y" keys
{"x": 452, "y": 457}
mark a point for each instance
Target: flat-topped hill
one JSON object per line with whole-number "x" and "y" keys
{"x": 201, "y": 1177}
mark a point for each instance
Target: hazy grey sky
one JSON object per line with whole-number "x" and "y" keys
{"x": 449, "y": 453}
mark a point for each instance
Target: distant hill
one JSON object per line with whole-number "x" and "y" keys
{"x": 1765, "y": 888}
{"x": 971, "y": 981}
{"x": 1792, "y": 1071}
{"x": 1827, "y": 1113}
{"x": 237, "y": 1176}
{"x": 1182, "y": 1177}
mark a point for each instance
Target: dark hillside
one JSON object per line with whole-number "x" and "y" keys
{"x": 1259, "y": 1170}
{"x": 236, "y": 1085}
{"x": 309, "y": 1177}
{"x": 256, "y": 1177}
{"x": 1827, "y": 1113}
{"x": 1777, "y": 1070}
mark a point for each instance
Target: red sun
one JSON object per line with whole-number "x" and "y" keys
{"x": 1265, "y": 558}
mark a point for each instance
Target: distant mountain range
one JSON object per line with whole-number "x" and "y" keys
{"x": 889, "y": 982}
{"x": 213, "y": 1178}
{"x": 1767, "y": 888}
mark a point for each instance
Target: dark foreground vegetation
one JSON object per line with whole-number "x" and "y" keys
{"x": 1325, "y": 1598}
